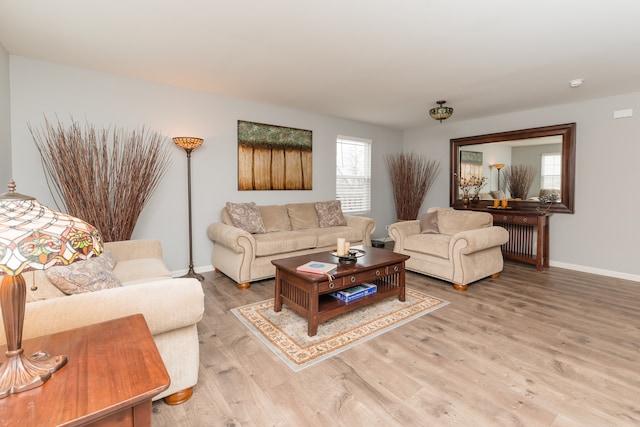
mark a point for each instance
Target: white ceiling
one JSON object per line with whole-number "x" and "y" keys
{"x": 378, "y": 61}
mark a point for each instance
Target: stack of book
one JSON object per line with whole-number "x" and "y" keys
{"x": 355, "y": 292}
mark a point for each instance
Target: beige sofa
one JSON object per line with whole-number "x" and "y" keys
{"x": 453, "y": 245}
{"x": 289, "y": 230}
{"x": 171, "y": 308}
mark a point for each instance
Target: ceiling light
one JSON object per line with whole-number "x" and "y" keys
{"x": 576, "y": 82}
{"x": 442, "y": 112}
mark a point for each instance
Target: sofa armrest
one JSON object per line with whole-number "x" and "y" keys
{"x": 367, "y": 225}
{"x": 134, "y": 249}
{"x": 236, "y": 239}
{"x": 479, "y": 239}
{"x": 398, "y": 231}
{"x": 166, "y": 305}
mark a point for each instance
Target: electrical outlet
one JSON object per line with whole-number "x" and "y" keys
{"x": 386, "y": 227}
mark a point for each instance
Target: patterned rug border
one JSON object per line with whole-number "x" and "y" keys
{"x": 307, "y": 351}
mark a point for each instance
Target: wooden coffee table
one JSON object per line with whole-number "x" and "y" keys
{"x": 308, "y": 294}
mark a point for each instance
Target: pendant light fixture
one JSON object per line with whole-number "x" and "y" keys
{"x": 441, "y": 112}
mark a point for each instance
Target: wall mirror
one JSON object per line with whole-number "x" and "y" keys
{"x": 491, "y": 155}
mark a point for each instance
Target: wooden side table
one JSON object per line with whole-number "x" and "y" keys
{"x": 113, "y": 371}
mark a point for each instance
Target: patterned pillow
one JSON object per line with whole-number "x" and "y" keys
{"x": 429, "y": 223}
{"x": 246, "y": 216}
{"x": 330, "y": 214}
{"x": 90, "y": 275}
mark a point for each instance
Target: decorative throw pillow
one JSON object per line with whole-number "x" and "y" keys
{"x": 330, "y": 214}
{"x": 498, "y": 194}
{"x": 90, "y": 275}
{"x": 429, "y": 223}
{"x": 246, "y": 216}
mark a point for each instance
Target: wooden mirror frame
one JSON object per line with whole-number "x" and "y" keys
{"x": 568, "y": 133}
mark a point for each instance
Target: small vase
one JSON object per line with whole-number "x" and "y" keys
{"x": 465, "y": 201}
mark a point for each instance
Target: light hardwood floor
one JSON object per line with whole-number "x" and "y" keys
{"x": 551, "y": 348}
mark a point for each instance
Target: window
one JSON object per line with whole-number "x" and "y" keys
{"x": 353, "y": 174}
{"x": 551, "y": 168}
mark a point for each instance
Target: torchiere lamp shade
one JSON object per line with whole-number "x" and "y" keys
{"x": 33, "y": 237}
{"x": 187, "y": 142}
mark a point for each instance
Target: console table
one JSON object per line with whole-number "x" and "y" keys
{"x": 528, "y": 234}
{"x": 113, "y": 372}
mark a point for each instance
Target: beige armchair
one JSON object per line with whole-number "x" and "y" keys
{"x": 458, "y": 246}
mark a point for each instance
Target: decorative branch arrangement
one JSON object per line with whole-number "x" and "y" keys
{"x": 412, "y": 176}
{"x": 103, "y": 176}
{"x": 518, "y": 180}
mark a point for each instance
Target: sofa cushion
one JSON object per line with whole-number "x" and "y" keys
{"x": 141, "y": 270}
{"x": 303, "y": 216}
{"x": 89, "y": 275}
{"x": 429, "y": 223}
{"x": 429, "y": 244}
{"x": 330, "y": 214}
{"x": 246, "y": 216}
{"x": 280, "y": 242}
{"x": 452, "y": 221}
{"x": 329, "y": 236}
{"x": 275, "y": 218}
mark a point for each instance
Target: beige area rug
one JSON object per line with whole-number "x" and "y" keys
{"x": 285, "y": 333}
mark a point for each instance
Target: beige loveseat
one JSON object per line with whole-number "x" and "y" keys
{"x": 288, "y": 230}
{"x": 453, "y": 245}
{"x": 171, "y": 308}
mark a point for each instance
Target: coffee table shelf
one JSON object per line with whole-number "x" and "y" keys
{"x": 308, "y": 294}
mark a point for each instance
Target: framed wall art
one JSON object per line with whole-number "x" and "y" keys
{"x": 274, "y": 157}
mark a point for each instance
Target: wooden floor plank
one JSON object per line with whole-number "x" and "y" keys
{"x": 550, "y": 348}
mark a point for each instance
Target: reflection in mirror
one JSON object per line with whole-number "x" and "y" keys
{"x": 497, "y": 162}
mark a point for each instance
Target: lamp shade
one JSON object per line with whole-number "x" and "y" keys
{"x": 34, "y": 237}
{"x": 187, "y": 142}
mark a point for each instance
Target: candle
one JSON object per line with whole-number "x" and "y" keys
{"x": 347, "y": 246}
{"x": 504, "y": 203}
{"x": 340, "y": 246}
{"x": 496, "y": 203}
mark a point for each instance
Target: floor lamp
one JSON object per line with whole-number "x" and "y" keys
{"x": 189, "y": 144}
{"x": 33, "y": 237}
{"x": 498, "y": 166}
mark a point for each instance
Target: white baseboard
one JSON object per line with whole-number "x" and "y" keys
{"x": 600, "y": 271}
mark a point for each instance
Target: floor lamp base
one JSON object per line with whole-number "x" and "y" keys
{"x": 192, "y": 274}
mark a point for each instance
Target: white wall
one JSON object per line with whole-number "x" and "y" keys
{"x": 5, "y": 121}
{"x": 602, "y": 236}
{"x": 41, "y": 88}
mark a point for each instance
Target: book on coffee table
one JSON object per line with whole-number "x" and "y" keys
{"x": 317, "y": 267}
{"x": 355, "y": 292}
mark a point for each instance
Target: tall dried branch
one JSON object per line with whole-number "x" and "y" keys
{"x": 519, "y": 179}
{"x": 412, "y": 175}
{"x": 104, "y": 176}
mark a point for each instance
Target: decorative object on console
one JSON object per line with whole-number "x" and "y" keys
{"x": 189, "y": 144}
{"x": 441, "y": 112}
{"x": 412, "y": 175}
{"x": 33, "y": 237}
{"x": 547, "y": 199}
{"x": 518, "y": 180}
{"x": 106, "y": 176}
{"x": 263, "y": 152}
